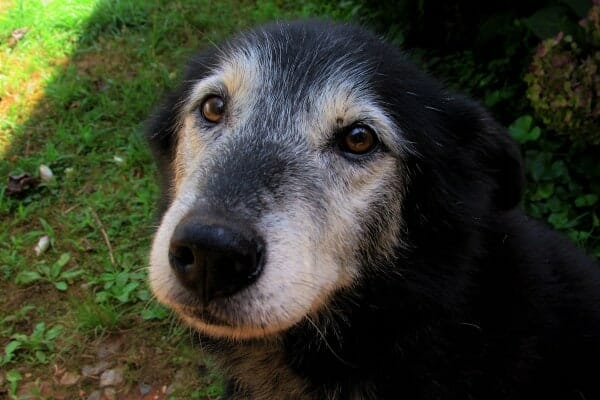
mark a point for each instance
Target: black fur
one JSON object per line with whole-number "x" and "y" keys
{"x": 489, "y": 304}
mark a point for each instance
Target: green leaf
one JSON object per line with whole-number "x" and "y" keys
{"x": 102, "y": 296}
{"x": 549, "y": 21}
{"x": 143, "y": 295}
{"x": 10, "y": 350}
{"x": 13, "y": 376}
{"x": 122, "y": 278}
{"x": 62, "y": 286}
{"x": 38, "y": 332}
{"x": 522, "y": 131}
{"x": 40, "y": 356}
{"x": 586, "y": 200}
{"x": 53, "y": 332}
{"x": 47, "y": 228}
{"x": 126, "y": 291}
{"x": 155, "y": 312}
{"x": 72, "y": 274}
{"x": 12, "y": 346}
{"x": 59, "y": 264}
{"x": 544, "y": 190}
{"x": 26, "y": 277}
{"x": 64, "y": 259}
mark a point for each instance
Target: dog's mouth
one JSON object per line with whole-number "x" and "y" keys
{"x": 206, "y": 316}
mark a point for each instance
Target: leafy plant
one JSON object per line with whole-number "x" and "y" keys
{"x": 122, "y": 286}
{"x": 95, "y": 318}
{"x": 7, "y": 324}
{"x": 523, "y": 130}
{"x": 155, "y": 311}
{"x": 36, "y": 345}
{"x": 13, "y": 377}
{"x": 53, "y": 274}
{"x": 564, "y": 82}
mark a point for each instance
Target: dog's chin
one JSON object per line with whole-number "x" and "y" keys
{"x": 223, "y": 327}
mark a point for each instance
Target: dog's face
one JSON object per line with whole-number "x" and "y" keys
{"x": 286, "y": 156}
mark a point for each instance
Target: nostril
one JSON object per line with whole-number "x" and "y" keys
{"x": 180, "y": 256}
{"x": 183, "y": 261}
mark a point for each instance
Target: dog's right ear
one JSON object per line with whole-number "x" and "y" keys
{"x": 162, "y": 126}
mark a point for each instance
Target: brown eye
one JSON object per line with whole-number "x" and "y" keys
{"x": 212, "y": 109}
{"x": 358, "y": 139}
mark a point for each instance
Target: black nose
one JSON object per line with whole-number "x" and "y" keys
{"x": 214, "y": 259}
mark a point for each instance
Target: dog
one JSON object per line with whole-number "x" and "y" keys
{"x": 338, "y": 225}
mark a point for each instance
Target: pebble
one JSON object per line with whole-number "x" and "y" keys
{"x": 46, "y": 173}
{"x": 110, "y": 393}
{"x": 95, "y": 395}
{"x": 42, "y": 245}
{"x": 111, "y": 377}
{"x": 69, "y": 379}
{"x": 145, "y": 389}
{"x": 91, "y": 370}
{"x": 109, "y": 349}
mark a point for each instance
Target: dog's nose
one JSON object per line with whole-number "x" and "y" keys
{"x": 214, "y": 260}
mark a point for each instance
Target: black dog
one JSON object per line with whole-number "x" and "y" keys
{"x": 340, "y": 226}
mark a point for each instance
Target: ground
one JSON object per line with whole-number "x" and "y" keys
{"x": 77, "y": 80}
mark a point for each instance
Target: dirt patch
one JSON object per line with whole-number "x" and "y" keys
{"x": 128, "y": 365}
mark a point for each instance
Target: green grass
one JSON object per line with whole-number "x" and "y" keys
{"x": 74, "y": 92}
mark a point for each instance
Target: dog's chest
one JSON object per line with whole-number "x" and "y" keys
{"x": 263, "y": 374}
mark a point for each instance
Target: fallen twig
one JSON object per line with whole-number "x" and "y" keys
{"x": 104, "y": 235}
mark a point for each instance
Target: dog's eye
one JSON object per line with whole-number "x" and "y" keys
{"x": 212, "y": 109}
{"x": 358, "y": 139}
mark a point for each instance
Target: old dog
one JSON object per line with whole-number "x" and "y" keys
{"x": 338, "y": 225}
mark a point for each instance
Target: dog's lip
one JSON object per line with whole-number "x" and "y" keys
{"x": 204, "y": 315}
{"x": 209, "y": 318}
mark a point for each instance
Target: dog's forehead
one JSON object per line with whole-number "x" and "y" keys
{"x": 317, "y": 79}
{"x": 293, "y": 68}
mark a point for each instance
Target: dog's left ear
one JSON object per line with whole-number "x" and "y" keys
{"x": 493, "y": 150}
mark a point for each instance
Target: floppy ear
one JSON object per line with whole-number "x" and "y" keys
{"x": 502, "y": 158}
{"x": 161, "y": 128}
{"x": 494, "y": 151}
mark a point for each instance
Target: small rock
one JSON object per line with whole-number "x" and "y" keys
{"x": 16, "y": 36}
{"x": 91, "y": 370}
{"x": 170, "y": 389}
{"x": 110, "y": 393}
{"x": 95, "y": 395}
{"x": 179, "y": 376}
{"x": 42, "y": 245}
{"x": 111, "y": 377}
{"x": 145, "y": 389}
{"x": 108, "y": 349}
{"x": 46, "y": 173}
{"x": 69, "y": 379}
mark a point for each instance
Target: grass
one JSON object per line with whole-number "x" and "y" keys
{"x": 74, "y": 92}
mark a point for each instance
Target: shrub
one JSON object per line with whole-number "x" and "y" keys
{"x": 564, "y": 82}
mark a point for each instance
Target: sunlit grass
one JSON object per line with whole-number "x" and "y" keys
{"x": 74, "y": 92}
{"x": 50, "y": 31}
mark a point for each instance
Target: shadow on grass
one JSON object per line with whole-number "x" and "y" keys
{"x": 99, "y": 208}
